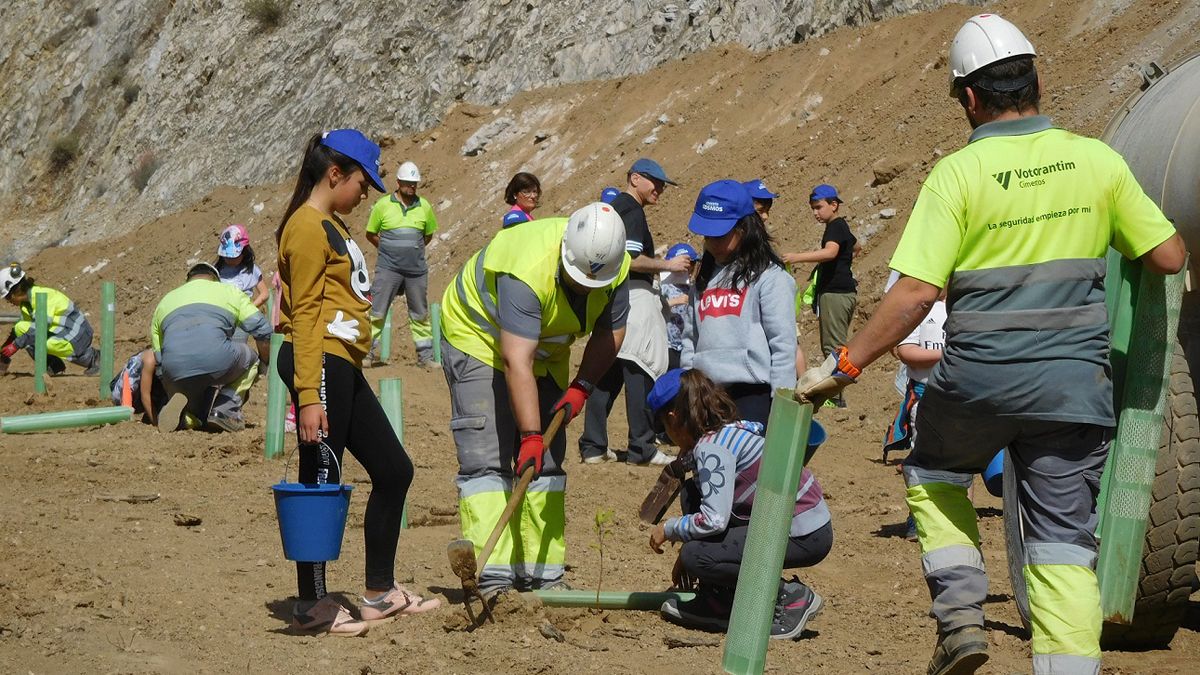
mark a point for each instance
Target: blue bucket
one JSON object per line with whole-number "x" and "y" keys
{"x": 816, "y": 436}
{"x": 993, "y": 475}
{"x": 312, "y": 517}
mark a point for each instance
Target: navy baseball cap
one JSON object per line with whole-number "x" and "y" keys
{"x": 719, "y": 207}
{"x": 664, "y": 390}
{"x": 824, "y": 191}
{"x": 758, "y": 189}
{"x": 353, "y": 144}
{"x": 685, "y": 249}
{"x": 650, "y": 169}
{"x": 608, "y": 194}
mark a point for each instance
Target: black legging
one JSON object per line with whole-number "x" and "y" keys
{"x": 357, "y": 422}
{"x": 717, "y": 559}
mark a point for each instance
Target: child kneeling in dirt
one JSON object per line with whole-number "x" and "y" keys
{"x": 722, "y": 456}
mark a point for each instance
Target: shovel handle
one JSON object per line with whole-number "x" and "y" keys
{"x": 518, "y": 493}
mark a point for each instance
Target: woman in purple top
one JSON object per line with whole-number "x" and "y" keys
{"x": 524, "y": 192}
{"x": 722, "y": 456}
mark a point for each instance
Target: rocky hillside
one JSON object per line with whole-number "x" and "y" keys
{"x": 120, "y": 111}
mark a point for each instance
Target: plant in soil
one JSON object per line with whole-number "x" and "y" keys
{"x": 603, "y": 529}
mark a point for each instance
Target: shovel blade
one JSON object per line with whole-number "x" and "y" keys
{"x": 462, "y": 559}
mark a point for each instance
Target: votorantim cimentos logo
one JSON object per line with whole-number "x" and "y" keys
{"x": 1031, "y": 177}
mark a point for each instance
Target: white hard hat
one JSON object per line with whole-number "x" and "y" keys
{"x": 982, "y": 41}
{"x": 9, "y": 278}
{"x": 593, "y": 247}
{"x": 409, "y": 172}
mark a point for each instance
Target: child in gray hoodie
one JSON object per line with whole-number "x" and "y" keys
{"x": 742, "y": 318}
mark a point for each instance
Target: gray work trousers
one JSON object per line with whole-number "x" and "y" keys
{"x": 389, "y": 283}
{"x": 209, "y": 393}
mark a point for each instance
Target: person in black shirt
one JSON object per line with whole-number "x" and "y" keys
{"x": 836, "y": 292}
{"x": 643, "y": 355}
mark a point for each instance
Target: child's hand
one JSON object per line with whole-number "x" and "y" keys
{"x": 658, "y": 537}
{"x": 680, "y": 578}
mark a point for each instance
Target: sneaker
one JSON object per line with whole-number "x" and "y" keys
{"x": 226, "y": 422}
{"x": 659, "y": 458}
{"x": 168, "y": 416}
{"x": 709, "y": 610}
{"x": 910, "y": 528}
{"x": 608, "y": 456}
{"x": 397, "y": 602}
{"x": 93, "y": 369}
{"x": 796, "y": 606}
{"x": 328, "y": 616}
{"x": 960, "y": 652}
{"x": 559, "y": 584}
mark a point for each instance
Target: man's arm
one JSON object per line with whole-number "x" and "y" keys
{"x": 518, "y": 353}
{"x": 1166, "y": 258}
{"x": 902, "y": 309}
{"x": 146, "y": 384}
{"x": 646, "y": 264}
{"x": 600, "y": 352}
{"x": 373, "y": 237}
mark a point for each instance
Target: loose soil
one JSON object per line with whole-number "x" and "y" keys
{"x": 92, "y": 585}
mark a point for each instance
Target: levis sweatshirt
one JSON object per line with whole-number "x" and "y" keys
{"x": 745, "y": 336}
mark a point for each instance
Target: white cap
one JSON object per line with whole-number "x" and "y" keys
{"x": 982, "y": 41}
{"x": 409, "y": 172}
{"x": 593, "y": 247}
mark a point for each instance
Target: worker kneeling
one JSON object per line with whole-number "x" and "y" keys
{"x": 509, "y": 319}
{"x": 203, "y": 370}
{"x": 68, "y": 333}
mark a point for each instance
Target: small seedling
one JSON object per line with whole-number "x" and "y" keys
{"x": 603, "y": 527}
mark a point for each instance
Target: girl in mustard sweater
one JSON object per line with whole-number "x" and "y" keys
{"x": 327, "y": 333}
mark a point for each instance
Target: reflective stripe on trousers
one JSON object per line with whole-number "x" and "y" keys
{"x": 533, "y": 546}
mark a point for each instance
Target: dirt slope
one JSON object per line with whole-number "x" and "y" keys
{"x": 94, "y": 585}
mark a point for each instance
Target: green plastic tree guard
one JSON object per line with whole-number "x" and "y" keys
{"x": 22, "y": 424}
{"x": 41, "y": 326}
{"x": 277, "y": 402}
{"x": 1145, "y": 317}
{"x": 391, "y": 397}
{"x": 762, "y": 562}
{"x": 640, "y": 600}
{"x": 108, "y": 326}
{"x": 271, "y": 307}
{"x": 436, "y": 313}
{"x": 385, "y": 338}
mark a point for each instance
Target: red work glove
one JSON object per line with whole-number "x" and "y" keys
{"x": 9, "y": 349}
{"x": 574, "y": 398}
{"x": 531, "y": 452}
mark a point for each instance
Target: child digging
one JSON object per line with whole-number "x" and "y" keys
{"x": 722, "y": 456}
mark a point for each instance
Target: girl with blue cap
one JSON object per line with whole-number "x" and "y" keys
{"x": 325, "y": 321}
{"x": 742, "y": 331}
{"x": 722, "y": 456}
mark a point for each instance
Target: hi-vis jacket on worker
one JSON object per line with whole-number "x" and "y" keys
{"x": 509, "y": 319}
{"x": 68, "y": 334}
{"x": 1016, "y": 225}
{"x": 193, "y": 323}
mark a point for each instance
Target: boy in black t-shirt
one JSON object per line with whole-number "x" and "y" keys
{"x": 836, "y": 290}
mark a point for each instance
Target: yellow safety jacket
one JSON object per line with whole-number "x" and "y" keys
{"x": 532, "y": 254}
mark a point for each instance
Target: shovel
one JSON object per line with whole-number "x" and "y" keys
{"x": 462, "y": 551}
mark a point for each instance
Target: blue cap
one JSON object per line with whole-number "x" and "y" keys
{"x": 824, "y": 191}
{"x": 719, "y": 207}
{"x": 664, "y": 390}
{"x": 651, "y": 169}
{"x": 353, "y": 144}
{"x": 682, "y": 248}
{"x": 608, "y": 194}
{"x": 758, "y": 189}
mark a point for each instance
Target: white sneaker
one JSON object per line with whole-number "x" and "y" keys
{"x": 660, "y": 458}
{"x": 608, "y": 456}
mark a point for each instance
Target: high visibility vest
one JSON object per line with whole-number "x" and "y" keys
{"x": 64, "y": 320}
{"x": 532, "y": 254}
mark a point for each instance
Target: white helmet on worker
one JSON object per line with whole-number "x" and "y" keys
{"x": 409, "y": 173}
{"x": 983, "y": 40}
{"x": 593, "y": 247}
{"x": 9, "y": 278}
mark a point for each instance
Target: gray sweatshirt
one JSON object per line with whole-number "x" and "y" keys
{"x": 746, "y": 336}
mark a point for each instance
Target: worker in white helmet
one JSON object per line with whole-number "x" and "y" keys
{"x": 401, "y": 225}
{"x": 1017, "y": 225}
{"x": 508, "y": 321}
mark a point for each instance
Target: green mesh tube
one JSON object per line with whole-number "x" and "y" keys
{"x": 277, "y": 402}
{"x": 762, "y": 561}
{"x": 436, "y": 313}
{"x": 41, "y": 326}
{"x": 385, "y": 338}
{"x": 611, "y": 599}
{"x": 108, "y": 311}
{"x": 391, "y": 397}
{"x": 1144, "y": 312}
{"x": 67, "y": 419}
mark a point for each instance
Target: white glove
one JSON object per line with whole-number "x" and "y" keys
{"x": 827, "y": 380}
{"x": 343, "y": 329}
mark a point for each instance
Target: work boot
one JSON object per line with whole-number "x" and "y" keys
{"x": 796, "y": 606}
{"x": 169, "y": 415}
{"x": 709, "y": 610}
{"x": 960, "y": 652}
{"x": 226, "y": 422}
